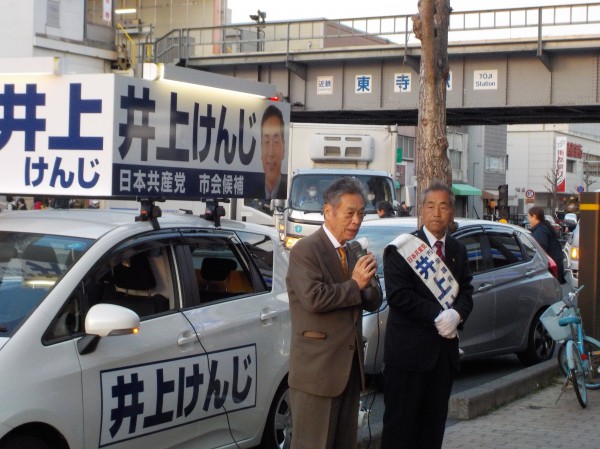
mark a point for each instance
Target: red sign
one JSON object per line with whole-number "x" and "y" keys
{"x": 574, "y": 150}
{"x": 561, "y": 162}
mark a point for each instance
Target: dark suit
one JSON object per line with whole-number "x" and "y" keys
{"x": 419, "y": 363}
{"x": 256, "y": 189}
{"x": 326, "y": 354}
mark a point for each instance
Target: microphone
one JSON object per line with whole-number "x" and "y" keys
{"x": 359, "y": 248}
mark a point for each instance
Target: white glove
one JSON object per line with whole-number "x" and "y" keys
{"x": 447, "y": 322}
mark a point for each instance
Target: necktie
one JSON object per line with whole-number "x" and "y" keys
{"x": 342, "y": 252}
{"x": 439, "y": 245}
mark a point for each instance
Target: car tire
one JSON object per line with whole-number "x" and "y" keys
{"x": 278, "y": 429}
{"x": 24, "y": 442}
{"x": 540, "y": 346}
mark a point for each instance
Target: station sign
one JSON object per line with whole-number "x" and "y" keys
{"x": 110, "y": 135}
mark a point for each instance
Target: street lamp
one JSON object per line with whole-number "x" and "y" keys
{"x": 259, "y": 18}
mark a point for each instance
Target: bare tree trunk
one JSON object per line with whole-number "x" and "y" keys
{"x": 431, "y": 28}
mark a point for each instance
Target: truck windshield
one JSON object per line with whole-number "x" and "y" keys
{"x": 307, "y": 191}
{"x": 30, "y": 265}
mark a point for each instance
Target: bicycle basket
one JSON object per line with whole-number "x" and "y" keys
{"x": 550, "y": 321}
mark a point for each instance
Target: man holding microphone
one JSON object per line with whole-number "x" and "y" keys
{"x": 328, "y": 290}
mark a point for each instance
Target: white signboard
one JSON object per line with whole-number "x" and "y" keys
{"x": 324, "y": 85}
{"x": 144, "y": 399}
{"x": 402, "y": 82}
{"x": 485, "y": 79}
{"x": 106, "y": 135}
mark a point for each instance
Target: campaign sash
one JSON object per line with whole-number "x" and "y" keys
{"x": 429, "y": 267}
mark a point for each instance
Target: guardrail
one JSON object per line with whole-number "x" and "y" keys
{"x": 538, "y": 23}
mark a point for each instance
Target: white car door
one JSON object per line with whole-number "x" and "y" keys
{"x": 143, "y": 390}
{"x": 242, "y": 327}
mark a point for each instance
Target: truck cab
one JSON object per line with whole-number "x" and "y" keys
{"x": 304, "y": 213}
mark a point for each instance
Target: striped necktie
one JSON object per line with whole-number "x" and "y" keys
{"x": 342, "y": 251}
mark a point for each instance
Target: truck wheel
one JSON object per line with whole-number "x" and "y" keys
{"x": 278, "y": 429}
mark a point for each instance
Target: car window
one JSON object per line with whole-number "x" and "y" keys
{"x": 505, "y": 250}
{"x": 474, "y": 252}
{"x": 261, "y": 247}
{"x": 30, "y": 265}
{"x": 529, "y": 247}
{"x": 220, "y": 270}
{"x": 139, "y": 277}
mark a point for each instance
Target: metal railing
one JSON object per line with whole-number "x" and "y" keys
{"x": 286, "y": 37}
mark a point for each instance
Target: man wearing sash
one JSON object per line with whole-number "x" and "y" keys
{"x": 328, "y": 289}
{"x": 429, "y": 291}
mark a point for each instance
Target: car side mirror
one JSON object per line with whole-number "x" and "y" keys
{"x": 104, "y": 320}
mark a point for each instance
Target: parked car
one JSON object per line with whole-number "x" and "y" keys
{"x": 570, "y": 221}
{"x": 557, "y": 228}
{"x": 132, "y": 334}
{"x": 514, "y": 282}
{"x": 571, "y": 260}
{"x": 566, "y": 220}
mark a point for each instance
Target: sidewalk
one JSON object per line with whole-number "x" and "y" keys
{"x": 533, "y": 422}
{"x": 517, "y": 411}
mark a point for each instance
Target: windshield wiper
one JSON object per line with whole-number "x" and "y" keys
{"x": 3, "y": 328}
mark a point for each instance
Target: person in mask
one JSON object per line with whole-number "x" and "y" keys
{"x": 371, "y": 203}
{"x": 310, "y": 199}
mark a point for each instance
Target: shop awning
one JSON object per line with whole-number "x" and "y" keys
{"x": 490, "y": 195}
{"x": 465, "y": 190}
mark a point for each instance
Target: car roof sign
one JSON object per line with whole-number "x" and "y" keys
{"x": 109, "y": 135}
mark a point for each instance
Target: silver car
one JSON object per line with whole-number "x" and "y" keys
{"x": 514, "y": 282}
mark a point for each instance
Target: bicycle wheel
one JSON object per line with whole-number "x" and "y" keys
{"x": 578, "y": 377}
{"x": 592, "y": 363}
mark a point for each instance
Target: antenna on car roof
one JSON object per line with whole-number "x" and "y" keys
{"x": 149, "y": 211}
{"x": 213, "y": 211}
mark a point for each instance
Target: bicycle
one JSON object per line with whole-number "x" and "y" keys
{"x": 579, "y": 354}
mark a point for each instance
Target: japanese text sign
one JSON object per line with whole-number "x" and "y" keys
{"x": 106, "y": 135}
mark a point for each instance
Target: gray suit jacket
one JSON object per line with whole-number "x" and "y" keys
{"x": 326, "y": 317}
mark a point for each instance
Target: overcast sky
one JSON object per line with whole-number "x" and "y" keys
{"x": 339, "y": 9}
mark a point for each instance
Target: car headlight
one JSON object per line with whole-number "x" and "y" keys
{"x": 574, "y": 253}
{"x": 290, "y": 241}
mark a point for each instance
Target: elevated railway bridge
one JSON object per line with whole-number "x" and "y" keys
{"x": 509, "y": 66}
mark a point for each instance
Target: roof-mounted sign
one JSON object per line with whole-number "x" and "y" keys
{"x": 107, "y": 135}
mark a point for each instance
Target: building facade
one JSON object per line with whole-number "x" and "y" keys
{"x": 549, "y": 165}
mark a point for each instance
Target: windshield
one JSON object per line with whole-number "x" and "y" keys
{"x": 379, "y": 237}
{"x": 307, "y": 190}
{"x": 30, "y": 265}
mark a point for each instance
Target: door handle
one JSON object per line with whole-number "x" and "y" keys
{"x": 530, "y": 273}
{"x": 485, "y": 286}
{"x": 185, "y": 339}
{"x": 267, "y": 315}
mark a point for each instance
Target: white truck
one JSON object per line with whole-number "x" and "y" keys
{"x": 319, "y": 154}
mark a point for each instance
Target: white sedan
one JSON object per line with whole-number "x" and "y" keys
{"x": 122, "y": 333}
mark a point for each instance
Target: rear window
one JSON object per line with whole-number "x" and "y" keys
{"x": 505, "y": 250}
{"x": 379, "y": 237}
{"x": 30, "y": 265}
